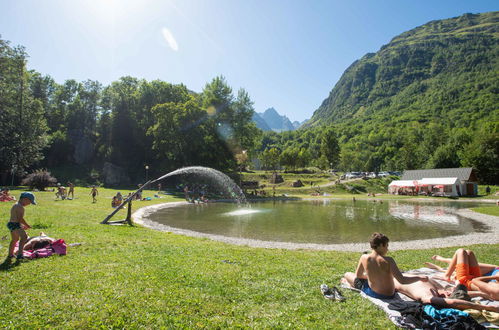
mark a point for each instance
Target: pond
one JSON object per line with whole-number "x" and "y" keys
{"x": 323, "y": 221}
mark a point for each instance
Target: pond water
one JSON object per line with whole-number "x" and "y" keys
{"x": 323, "y": 221}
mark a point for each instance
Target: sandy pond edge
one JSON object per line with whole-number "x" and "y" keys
{"x": 492, "y": 237}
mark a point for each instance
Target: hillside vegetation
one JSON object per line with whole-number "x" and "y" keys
{"x": 444, "y": 70}
{"x": 427, "y": 99}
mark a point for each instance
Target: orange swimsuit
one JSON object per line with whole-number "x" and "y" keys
{"x": 465, "y": 273}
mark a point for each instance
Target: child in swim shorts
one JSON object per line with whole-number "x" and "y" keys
{"x": 17, "y": 225}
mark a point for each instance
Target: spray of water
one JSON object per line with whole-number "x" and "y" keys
{"x": 219, "y": 180}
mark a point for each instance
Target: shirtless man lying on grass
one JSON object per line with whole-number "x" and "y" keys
{"x": 379, "y": 277}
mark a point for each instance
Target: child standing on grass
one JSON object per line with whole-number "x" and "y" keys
{"x": 94, "y": 194}
{"x": 17, "y": 225}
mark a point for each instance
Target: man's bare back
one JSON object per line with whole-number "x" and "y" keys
{"x": 379, "y": 275}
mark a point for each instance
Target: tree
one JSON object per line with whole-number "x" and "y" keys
{"x": 330, "y": 147}
{"x": 289, "y": 158}
{"x": 483, "y": 154}
{"x": 270, "y": 159}
{"x": 22, "y": 124}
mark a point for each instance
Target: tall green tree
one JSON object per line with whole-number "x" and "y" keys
{"x": 330, "y": 147}
{"x": 22, "y": 124}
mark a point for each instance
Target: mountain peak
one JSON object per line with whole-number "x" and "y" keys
{"x": 275, "y": 121}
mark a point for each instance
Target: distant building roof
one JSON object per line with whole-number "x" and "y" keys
{"x": 402, "y": 183}
{"x": 435, "y": 181}
{"x": 463, "y": 174}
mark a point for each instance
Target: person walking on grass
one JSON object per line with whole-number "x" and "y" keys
{"x": 94, "y": 192}
{"x": 71, "y": 190}
{"x": 17, "y": 225}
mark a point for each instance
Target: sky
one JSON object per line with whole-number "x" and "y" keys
{"x": 287, "y": 54}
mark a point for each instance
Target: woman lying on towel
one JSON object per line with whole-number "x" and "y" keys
{"x": 470, "y": 273}
{"x": 42, "y": 246}
{"x": 38, "y": 242}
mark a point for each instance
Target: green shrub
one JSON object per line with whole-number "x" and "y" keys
{"x": 39, "y": 179}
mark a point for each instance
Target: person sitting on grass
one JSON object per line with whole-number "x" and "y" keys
{"x": 5, "y": 196}
{"x": 17, "y": 225}
{"x": 115, "y": 203}
{"x": 470, "y": 273}
{"x": 385, "y": 278}
{"x": 119, "y": 197}
{"x": 376, "y": 271}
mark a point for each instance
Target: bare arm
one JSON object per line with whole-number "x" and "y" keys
{"x": 359, "y": 272}
{"x": 474, "y": 294}
{"x": 401, "y": 278}
{"x": 492, "y": 289}
{"x": 486, "y": 278}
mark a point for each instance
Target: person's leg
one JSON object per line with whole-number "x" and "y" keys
{"x": 14, "y": 238}
{"x": 460, "y": 257}
{"x": 484, "y": 268}
{"x": 22, "y": 241}
{"x": 350, "y": 277}
{"x": 441, "y": 259}
{"x": 473, "y": 264}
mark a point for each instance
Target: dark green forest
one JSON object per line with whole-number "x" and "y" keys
{"x": 428, "y": 99}
{"x": 110, "y": 133}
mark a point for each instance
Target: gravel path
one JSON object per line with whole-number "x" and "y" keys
{"x": 491, "y": 237}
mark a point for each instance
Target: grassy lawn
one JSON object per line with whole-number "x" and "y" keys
{"x": 490, "y": 210}
{"x": 133, "y": 277}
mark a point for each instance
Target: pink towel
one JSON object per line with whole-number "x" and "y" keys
{"x": 57, "y": 247}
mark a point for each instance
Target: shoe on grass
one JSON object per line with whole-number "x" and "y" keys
{"x": 326, "y": 292}
{"x": 337, "y": 294}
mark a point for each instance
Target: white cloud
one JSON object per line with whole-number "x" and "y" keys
{"x": 170, "y": 39}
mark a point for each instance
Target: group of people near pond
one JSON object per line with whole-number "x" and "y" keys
{"x": 196, "y": 193}
{"x": 63, "y": 193}
{"x": 378, "y": 276}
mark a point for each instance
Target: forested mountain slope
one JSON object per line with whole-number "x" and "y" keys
{"x": 446, "y": 70}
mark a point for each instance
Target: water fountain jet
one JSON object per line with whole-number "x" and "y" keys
{"x": 219, "y": 179}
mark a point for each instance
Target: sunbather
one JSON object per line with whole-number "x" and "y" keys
{"x": 384, "y": 278}
{"x": 375, "y": 271}
{"x": 469, "y": 272}
{"x": 38, "y": 242}
{"x": 433, "y": 293}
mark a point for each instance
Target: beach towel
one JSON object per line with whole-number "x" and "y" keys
{"x": 397, "y": 318}
{"x": 58, "y": 247}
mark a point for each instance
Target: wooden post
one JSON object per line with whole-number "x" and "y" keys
{"x": 129, "y": 202}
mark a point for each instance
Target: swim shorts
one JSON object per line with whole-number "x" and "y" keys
{"x": 465, "y": 273}
{"x": 13, "y": 225}
{"x": 370, "y": 292}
